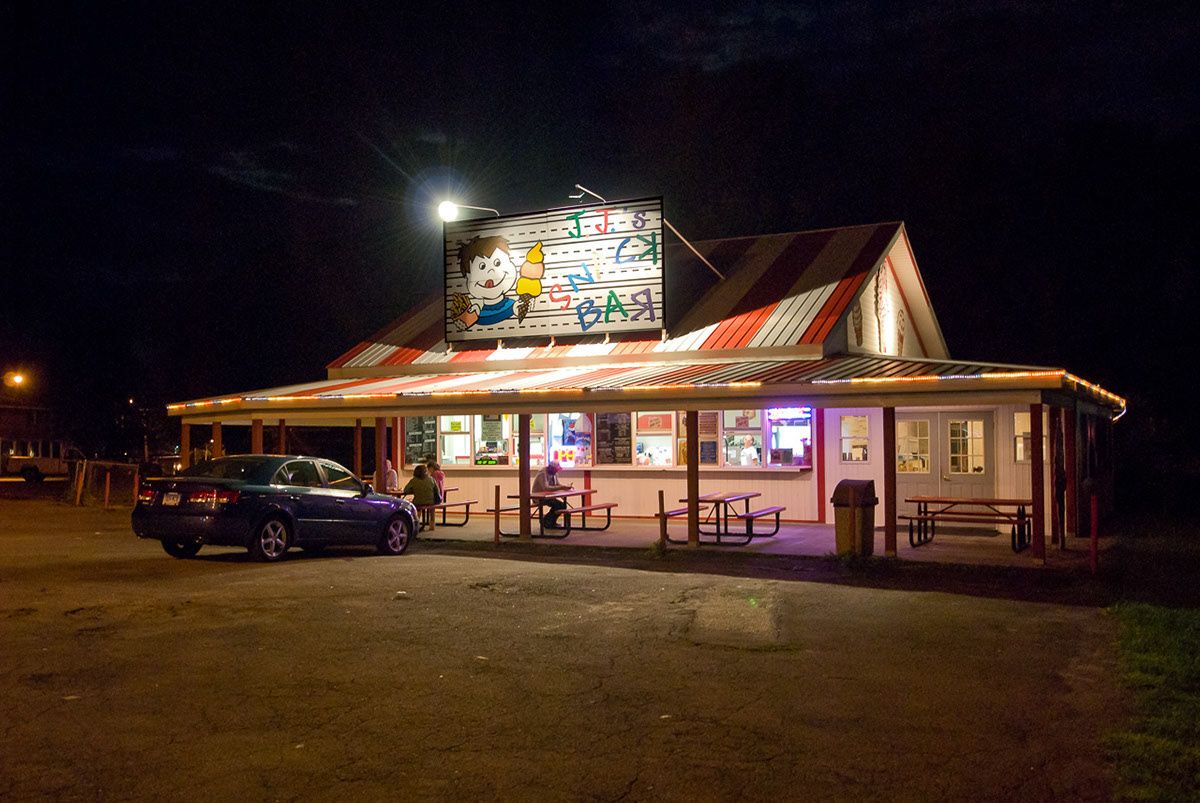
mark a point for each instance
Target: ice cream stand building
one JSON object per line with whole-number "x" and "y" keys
{"x": 780, "y": 363}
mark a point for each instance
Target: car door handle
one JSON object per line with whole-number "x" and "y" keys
{"x": 294, "y": 497}
{"x": 341, "y": 501}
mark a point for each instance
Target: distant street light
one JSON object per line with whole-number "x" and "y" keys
{"x": 14, "y": 379}
{"x": 448, "y": 210}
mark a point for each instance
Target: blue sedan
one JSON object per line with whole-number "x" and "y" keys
{"x": 268, "y": 504}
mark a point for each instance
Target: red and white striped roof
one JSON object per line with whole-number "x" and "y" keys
{"x": 783, "y": 290}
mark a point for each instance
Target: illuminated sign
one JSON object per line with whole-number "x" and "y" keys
{"x": 591, "y": 269}
{"x": 789, "y": 413}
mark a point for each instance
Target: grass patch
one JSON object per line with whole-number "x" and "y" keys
{"x": 1158, "y": 758}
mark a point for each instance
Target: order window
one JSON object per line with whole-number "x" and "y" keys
{"x": 791, "y": 437}
{"x": 571, "y": 439}
{"x": 741, "y": 438}
{"x": 455, "y": 439}
{"x": 912, "y": 447}
{"x": 653, "y": 444}
{"x": 854, "y": 438}
{"x": 493, "y": 434}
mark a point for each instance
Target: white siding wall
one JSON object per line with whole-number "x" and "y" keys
{"x": 1013, "y": 478}
{"x": 836, "y": 470}
{"x": 636, "y": 490}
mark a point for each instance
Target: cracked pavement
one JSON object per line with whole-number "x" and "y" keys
{"x": 127, "y": 674}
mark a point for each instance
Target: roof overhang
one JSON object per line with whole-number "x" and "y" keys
{"x": 679, "y": 385}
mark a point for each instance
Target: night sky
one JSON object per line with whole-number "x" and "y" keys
{"x": 203, "y": 198}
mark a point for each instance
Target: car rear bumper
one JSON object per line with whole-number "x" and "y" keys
{"x": 207, "y": 529}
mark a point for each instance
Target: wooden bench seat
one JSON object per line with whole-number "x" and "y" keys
{"x": 980, "y": 518}
{"x": 465, "y": 504}
{"x": 751, "y": 516}
{"x": 583, "y": 510}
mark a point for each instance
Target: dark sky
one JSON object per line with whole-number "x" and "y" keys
{"x": 203, "y": 198}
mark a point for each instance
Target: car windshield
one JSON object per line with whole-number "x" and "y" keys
{"x": 227, "y": 468}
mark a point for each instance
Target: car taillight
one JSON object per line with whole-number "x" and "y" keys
{"x": 227, "y": 497}
{"x": 202, "y": 497}
{"x": 145, "y": 496}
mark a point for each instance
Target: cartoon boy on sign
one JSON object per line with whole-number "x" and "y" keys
{"x": 491, "y": 275}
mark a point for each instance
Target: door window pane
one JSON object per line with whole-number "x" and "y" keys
{"x": 854, "y": 439}
{"x": 966, "y": 447}
{"x": 912, "y": 447}
{"x": 654, "y": 442}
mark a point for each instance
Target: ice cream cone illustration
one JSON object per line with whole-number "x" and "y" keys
{"x": 856, "y": 317}
{"x": 900, "y": 321}
{"x": 529, "y": 286}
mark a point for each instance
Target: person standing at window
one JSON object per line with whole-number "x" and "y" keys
{"x": 749, "y": 452}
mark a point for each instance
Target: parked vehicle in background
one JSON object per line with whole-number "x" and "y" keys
{"x": 32, "y": 443}
{"x": 268, "y": 504}
{"x": 37, "y": 459}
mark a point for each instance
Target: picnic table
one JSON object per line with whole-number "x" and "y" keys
{"x": 446, "y": 505}
{"x": 721, "y": 506}
{"x": 540, "y": 498}
{"x": 967, "y": 510}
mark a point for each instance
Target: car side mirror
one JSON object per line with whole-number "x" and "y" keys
{"x": 367, "y": 489}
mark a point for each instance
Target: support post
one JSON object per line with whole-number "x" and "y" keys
{"x": 662, "y": 520}
{"x": 218, "y": 448}
{"x": 380, "y": 449}
{"x": 358, "y": 447}
{"x": 400, "y": 455}
{"x": 108, "y": 486}
{"x": 1037, "y": 483}
{"x": 185, "y": 445}
{"x": 818, "y": 456}
{"x": 256, "y": 436}
{"x": 693, "y": 477}
{"x": 82, "y": 470}
{"x": 283, "y": 437}
{"x": 496, "y": 509}
{"x": 889, "y": 482}
{"x": 136, "y": 471}
{"x": 1056, "y": 469}
{"x": 1070, "y": 433}
{"x": 523, "y": 480}
{"x": 394, "y": 445}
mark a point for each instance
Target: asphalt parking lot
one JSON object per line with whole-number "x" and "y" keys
{"x": 128, "y": 674}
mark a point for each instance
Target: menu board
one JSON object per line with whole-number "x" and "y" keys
{"x": 491, "y": 428}
{"x": 420, "y": 438}
{"x": 612, "y": 440}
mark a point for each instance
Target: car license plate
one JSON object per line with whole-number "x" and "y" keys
{"x": 170, "y": 499}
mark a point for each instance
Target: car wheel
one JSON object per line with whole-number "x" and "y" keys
{"x": 31, "y": 474}
{"x": 181, "y": 549}
{"x": 271, "y": 540}
{"x": 396, "y": 536}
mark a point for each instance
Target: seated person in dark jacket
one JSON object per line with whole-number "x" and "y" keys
{"x": 547, "y": 480}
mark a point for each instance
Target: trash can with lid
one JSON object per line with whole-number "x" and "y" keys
{"x": 854, "y": 516}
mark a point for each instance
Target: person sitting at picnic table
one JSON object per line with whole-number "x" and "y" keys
{"x": 391, "y": 480}
{"x": 438, "y": 475}
{"x": 547, "y": 480}
{"x": 424, "y": 491}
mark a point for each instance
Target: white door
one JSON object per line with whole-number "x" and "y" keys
{"x": 944, "y": 454}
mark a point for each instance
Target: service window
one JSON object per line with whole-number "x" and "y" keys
{"x": 791, "y": 437}
{"x": 912, "y": 447}
{"x": 454, "y": 440}
{"x": 537, "y": 440}
{"x": 571, "y": 439}
{"x": 493, "y": 434}
{"x": 653, "y": 442}
{"x": 741, "y": 437}
{"x": 966, "y": 446}
{"x": 854, "y": 438}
